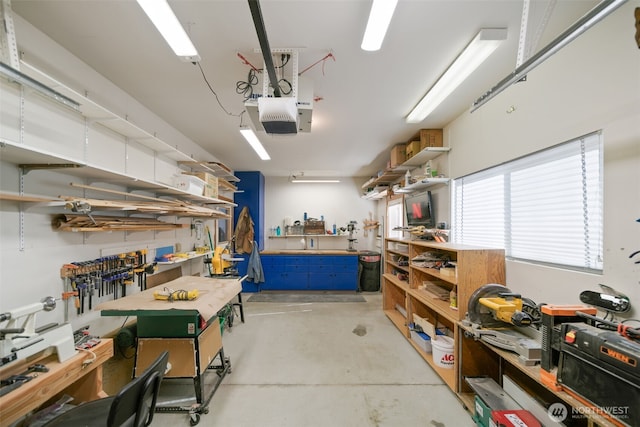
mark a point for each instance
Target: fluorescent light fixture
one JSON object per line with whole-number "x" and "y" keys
{"x": 482, "y": 45}
{"x": 160, "y": 13}
{"x": 595, "y": 15}
{"x": 299, "y": 178}
{"x": 379, "y": 19}
{"x": 255, "y": 143}
{"x": 315, "y": 181}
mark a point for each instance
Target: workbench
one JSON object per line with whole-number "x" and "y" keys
{"x": 79, "y": 377}
{"x": 189, "y": 330}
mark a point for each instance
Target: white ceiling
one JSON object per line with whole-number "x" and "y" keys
{"x": 364, "y": 95}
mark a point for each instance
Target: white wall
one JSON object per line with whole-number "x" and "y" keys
{"x": 31, "y": 259}
{"x": 339, "y": 204}
{"x": 592, "y": 84}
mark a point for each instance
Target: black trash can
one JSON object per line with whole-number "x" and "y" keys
{"x": 369, "y": 271}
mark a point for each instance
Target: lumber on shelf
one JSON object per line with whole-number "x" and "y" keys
{"x": 157, "y": 207}
{"x": 82, "y": 222}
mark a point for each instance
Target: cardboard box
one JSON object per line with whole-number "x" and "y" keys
{"x": 413, "y": 148}
{"x": 206, "y": 177}
{"x": 429, "y": 138}
{"x": 398, "y": 155}
{"x": 210, "y": 188}
{"x": 513, "y": 418}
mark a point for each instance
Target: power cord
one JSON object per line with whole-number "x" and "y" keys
{"x": 215, "y": 94}
{"x": 88, "y": 362}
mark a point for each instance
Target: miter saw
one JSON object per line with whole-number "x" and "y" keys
{"x": 506, "y": 320}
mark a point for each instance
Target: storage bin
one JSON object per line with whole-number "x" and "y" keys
{"x": 442, "y": 349}
{"x": 190, "y": 184}
{"x": 422, "y": 340}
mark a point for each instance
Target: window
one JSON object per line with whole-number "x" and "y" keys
{"x": 395, "y": 218}
{"x": 545, "y": 207}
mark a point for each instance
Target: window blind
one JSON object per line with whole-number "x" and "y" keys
{"x": 545, "y": 207}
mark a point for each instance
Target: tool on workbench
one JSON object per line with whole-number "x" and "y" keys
{"x": 172, "y": 295}
{"x": 599, "y": 366}
{"x": 553, "y": 316}
{"x": 506, "y": 320}
{"x": 15, "y": 381}
{"x": 608, "y": 300}
{"x": 20, "y": 339}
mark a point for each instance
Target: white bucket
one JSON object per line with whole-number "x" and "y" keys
{"x": 442, "y": 348}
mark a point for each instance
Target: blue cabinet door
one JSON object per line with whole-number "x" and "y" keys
{"x": 273, "y": 268}
{"x": 296, "y": 270}
{"x": 345, "y": 273}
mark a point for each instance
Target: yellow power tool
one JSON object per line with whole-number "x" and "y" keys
{"x": 495, "y": 305}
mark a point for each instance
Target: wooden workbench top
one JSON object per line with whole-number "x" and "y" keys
{"x": 308, "y": 252}
{"x": 214, "y": 295}
{"x": 80, "y": 376}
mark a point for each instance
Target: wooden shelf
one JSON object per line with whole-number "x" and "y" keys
{"x": 399, "y": 283}
{"x": 423, "y": 157}
{"x": 507, "y": 362}
{"x": 179, "y": 260}
{"x": 422, "y": 184}
{"x": 214, "y": 168}
{"x": 391, "y": 175}
{"x": 476, "y": 267}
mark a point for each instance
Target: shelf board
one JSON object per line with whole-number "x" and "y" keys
{"x": 436, "y": 274}
{"x": 34, "y": 159}
{"x": 404, "y": 268}
{"x": 397, "y": 319}
{"x": 468, "y": 401}
{"x": 396, "y": 282}
{"x": 375, "y": 195}
{"x": 533, "y": 372}
{"x": 214, "y": 168}
{"x": 180, "y": 260}
{"x": 397, "y": 252}
{"x": 388, "y": 176}
{"x": 447, "y": 375}
{"x": 440, "y": 306}
{"x": 422, "y": 184}
{"x": 423, "y": 157}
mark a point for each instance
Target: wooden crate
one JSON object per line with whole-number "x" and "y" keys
{"x": 314, "y": 227}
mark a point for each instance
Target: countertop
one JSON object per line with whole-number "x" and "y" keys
{"x": 309, "y": 252}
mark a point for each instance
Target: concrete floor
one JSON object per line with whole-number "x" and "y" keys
{"x": 328, "y": 364}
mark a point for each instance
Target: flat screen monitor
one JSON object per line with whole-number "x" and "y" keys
{"x": 419, "y": 209}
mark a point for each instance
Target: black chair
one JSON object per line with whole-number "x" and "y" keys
{"x": 134, "y": 404}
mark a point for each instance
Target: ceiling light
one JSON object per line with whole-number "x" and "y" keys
{"x": 298, "y": 178}
{"x": 483, "y": 45}
{"x": 379, "y": 19}
{"x": 160, "y": 13}
{"x": 595, "y": 15}
{"x": 255, "y": 143}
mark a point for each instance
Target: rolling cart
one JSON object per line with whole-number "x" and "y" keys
{"x": 190, "y": 331}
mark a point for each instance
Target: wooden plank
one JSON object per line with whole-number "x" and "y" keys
{"x": 163, "y": 277}
{"x": 25, "y": 198}
{"x": 121, "y": 193}
{"x": 61, "y": 377}
{"x": 169, "y": 209}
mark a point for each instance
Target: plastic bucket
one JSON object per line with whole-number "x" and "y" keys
{"x": 442, "y": 349}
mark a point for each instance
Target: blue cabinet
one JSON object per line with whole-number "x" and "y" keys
{"x": 310, "y": 272}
